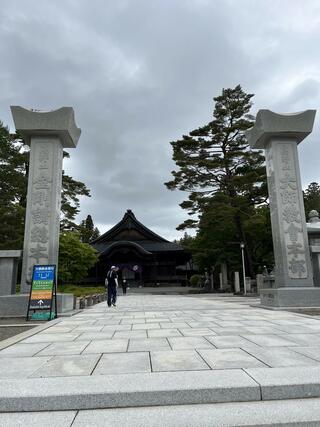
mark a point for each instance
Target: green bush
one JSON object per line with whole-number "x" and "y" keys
{"x": 195, "y": 280}
{"x": 75, "y": 258}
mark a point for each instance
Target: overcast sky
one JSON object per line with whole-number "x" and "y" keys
{"x": 140, "y": 73}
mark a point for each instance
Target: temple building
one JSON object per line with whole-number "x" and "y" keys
{"x": 143, "y": 257}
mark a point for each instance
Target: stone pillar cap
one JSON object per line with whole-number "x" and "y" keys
{"x": 59, "y": 123}
{"x": 269, "y": 124}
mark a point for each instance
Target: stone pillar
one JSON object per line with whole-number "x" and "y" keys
{"x": 221, "y": 281}
{"x": 259, "y": 280}
{"x": 236, "y": 282}
{"x": 47, "y": 133}
{"x": 224, "y": 272}
{"x": 279, "y": 135}
{"x": 248, "y": 284}
{"x": 211, "y": 280}
{"x": 8, "y": 271}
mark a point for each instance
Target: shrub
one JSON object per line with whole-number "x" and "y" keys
{"x": 195, "y": 280}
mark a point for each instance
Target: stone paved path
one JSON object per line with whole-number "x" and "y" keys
{"x": 160, "y": 334}
{"x": 166, "y": 333}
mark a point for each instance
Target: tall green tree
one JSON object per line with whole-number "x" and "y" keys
{"x": 88, "y": 232}
{"x": 216, "y": 166}
{"x": 14, "y": 168}
{"x": 311, "y": 198}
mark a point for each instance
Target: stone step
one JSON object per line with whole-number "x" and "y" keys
{"x": 285, "y": 413}
{"x": 160, "y": 389}
{"x": 114, "y": 391}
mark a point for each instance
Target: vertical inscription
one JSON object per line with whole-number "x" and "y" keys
{"x": 290, "y": 214}
{"x": 40, "y": 209}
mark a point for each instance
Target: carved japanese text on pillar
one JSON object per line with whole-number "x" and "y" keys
{"x": 291, "y": 215}
{"x": 40, "y": 209}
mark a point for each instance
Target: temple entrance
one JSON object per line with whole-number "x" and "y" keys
{"x": 143, "y": 257}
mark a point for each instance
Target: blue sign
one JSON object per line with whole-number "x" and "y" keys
{"x": 45, "y": 272}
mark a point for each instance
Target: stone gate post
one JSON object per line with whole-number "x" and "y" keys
{"x": 278, "y": 135}
{"x": 47, "y": 133}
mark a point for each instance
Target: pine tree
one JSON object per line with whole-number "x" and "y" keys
{"x": 216, "y": 166}
{"x": 88, "y": 232}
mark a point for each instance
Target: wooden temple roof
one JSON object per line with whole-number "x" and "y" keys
{"x": 129, "y": 231}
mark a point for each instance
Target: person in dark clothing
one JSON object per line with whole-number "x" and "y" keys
{"x": 112, "y": 282}
{"x": 124, "y": 286}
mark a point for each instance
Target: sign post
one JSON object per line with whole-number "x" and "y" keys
{"x": 43, "y": 290}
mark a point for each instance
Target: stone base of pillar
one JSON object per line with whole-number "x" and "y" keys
{"x": 278, "y": 298}
{"x": 16, "y": 305}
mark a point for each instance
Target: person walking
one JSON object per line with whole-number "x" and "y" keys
{"x": 112, "y": 282}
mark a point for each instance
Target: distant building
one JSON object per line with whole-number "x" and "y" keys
{"x": 143, "y": 256}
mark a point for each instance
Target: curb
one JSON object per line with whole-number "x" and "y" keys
{"x": 127, "y": 390}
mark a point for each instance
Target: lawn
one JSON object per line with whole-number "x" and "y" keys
{"x": 80, "y": 291}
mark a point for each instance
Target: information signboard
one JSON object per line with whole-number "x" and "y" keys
{"x": 43, "y": 289}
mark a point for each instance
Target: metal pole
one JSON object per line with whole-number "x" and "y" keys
{"x": 243, "y": 269}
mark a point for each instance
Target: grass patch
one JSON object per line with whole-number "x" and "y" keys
{"x": 80, "y": 291}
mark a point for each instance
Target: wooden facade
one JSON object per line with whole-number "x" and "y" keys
{"x": 143, "y": 257}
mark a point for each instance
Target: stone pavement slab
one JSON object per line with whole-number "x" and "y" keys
{"x": 163, "y": 333}
{"x": 148, "y": 344}
{"x": 193, "y": 332}
{"x": 115, "y": 328}
{"x": 181, "y": 343}
{"x": 85, "y": 336}
{"x": 269, "y": 340}
{"x": 304, "y": 339}
{"x": 123, "y": 363}
{"x": 66, "y": 366}
{"x": 22, "y": 350}
{"x": 312, "y": 352}
{"x": 287, "y": 383}
{"x": 130, "y": 334}
{"x": 230, "y": 341}
{"x": 21, "y": 367}
{"x": 276, "y": 357}
{"x": 45, "y": 337}
{"x": 186, "y": 360}
{"x": 229, "y": 358}
{"x": 63, "y": 348}
{"x": 107, "y": 346}
{"x": 302, "y": 412}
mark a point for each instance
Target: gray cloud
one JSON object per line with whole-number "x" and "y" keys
{"x": 141, "y": 73}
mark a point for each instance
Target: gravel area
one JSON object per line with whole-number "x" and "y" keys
{"x": 14, "y": 326}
